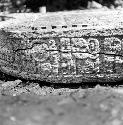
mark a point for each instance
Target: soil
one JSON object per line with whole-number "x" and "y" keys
{"x": 29, "y": 104}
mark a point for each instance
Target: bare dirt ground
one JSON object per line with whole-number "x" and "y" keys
{"x": 29, "y": 104}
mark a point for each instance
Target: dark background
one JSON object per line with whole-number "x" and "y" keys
{"x": 12, "y": 6}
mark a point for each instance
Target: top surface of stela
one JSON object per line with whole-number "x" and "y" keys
{"x": 70, "y": 46}
{"x": 62, "y": 21}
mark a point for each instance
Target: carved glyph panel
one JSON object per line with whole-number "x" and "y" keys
{"x": 69, "y": 56}
{"x": 112, "y": 45}
{"x": 79, "y": 45}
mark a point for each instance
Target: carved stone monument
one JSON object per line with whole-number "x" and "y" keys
{"x": 67, "y": 47}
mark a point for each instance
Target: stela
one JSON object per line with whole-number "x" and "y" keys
{"x": 62, "y": 48}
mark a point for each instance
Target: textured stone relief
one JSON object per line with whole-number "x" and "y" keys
{"x": 74, "y": 56}
{"x": 79, "y": 45}
{"x": 42, "y": 57}
{"x": 112, "y": 45}
{"x": 64, "y": 56}
{"x": 109, "y": 62}
{"x": 93, "y": 46}
{"x": 67, "y": 56}
{"x": 61, "y": 46}
{"x": 67, "y": 64}
{"x": 65, "y": 44}
{"x": 52, "y": 44}
{"x": 39, "y": 52}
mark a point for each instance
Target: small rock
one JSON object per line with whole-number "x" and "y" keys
{"x": 65, "y": 101}
{"x": 103, "y": 107}
{"x": 12, "y": 118}
{"x": 115, "y": 112}
{"x": 11, "y": 84}
{"x": 116, "y": 122}
{"x": 118, "y": 90}
{"x": 95, "y": 5}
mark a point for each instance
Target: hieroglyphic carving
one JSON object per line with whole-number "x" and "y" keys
{"x": 67, "y": 64}
{"x": 86, "y": 54}
{"x": 54, "y": 61}
{"x": 86, "y": 64}
{"x": 44, "y": 56}
{"x": 39, "y": 52}
{"x": 112, "y": 45}
{"x": 79, "y": 45}
{"x": 76, "y": 56}
{"x": 93, "y": 46}
{"x": 44, "y": 69}
{"x": 51, "y": 47}
{"x": 52, "y": 44}
{"x": 6, "y": 55}
{"x": 108, "y": 64}
{"x": 65, "y": 44}
{"x": 119, "y": 64}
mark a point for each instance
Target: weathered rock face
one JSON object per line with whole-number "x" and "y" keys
{"x": 64, "y": 47}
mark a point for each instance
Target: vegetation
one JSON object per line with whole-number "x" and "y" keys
{"x": 11, "y": 6}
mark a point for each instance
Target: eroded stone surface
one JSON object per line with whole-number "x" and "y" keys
{"x": 58, "y": 51}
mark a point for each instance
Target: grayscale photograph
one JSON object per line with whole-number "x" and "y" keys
{"x": 61, "y": 62}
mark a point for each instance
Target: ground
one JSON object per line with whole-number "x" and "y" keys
{"x": 30, "y": 104}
